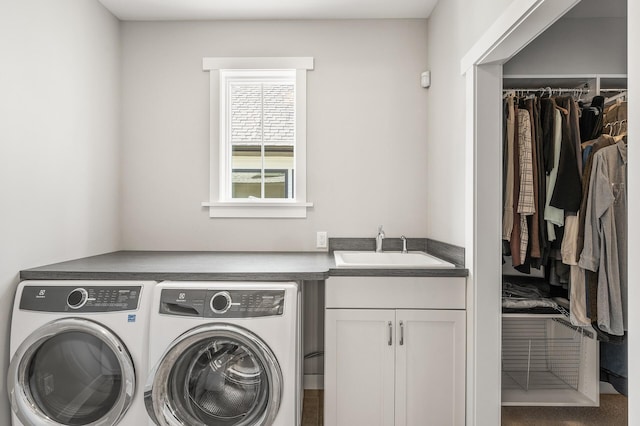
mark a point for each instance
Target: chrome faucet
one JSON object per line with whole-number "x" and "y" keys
{"x": 404, "y": 244}
{"x": 379, "y": 239}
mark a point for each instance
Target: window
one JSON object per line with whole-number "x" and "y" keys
{"x": 258, "y": 115}
{"x": 258, "y": 136}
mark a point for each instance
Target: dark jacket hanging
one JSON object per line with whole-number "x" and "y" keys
{"x": 568, "y": 190}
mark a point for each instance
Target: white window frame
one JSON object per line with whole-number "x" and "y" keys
{"x": 220, "y": 203}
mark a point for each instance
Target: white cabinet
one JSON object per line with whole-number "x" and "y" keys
{"x": 359, "y": 376}
{"x": 394, "y": 366}
{"x": 430, "y": 369}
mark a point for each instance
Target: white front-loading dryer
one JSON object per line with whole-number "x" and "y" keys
{"x": 225, "y": 353}
{"x": 79, "y": 353}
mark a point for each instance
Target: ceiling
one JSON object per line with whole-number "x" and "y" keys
{"x": 170, "y": 10}
{"x": 164, "y": 10}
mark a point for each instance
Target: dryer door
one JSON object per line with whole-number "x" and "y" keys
{"x": 71, "y": 372}
{"x": 215, "y": 375}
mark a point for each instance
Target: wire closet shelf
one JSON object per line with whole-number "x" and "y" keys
{"x": 541, "y": 354}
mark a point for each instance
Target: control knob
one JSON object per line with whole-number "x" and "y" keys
{"x": 77, "y": 298}
{"x": 220, "y": 302}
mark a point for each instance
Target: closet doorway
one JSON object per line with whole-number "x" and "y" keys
{"x": 522, "y": 23}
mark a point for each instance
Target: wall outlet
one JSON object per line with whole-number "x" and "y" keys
{"x": 321, "y": 240}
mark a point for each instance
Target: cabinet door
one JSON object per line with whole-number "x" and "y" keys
{"x": 430, "y": 362}
{"x": 359, "y": 367}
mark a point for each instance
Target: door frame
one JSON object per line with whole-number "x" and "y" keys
{"x": 521, "y": 22}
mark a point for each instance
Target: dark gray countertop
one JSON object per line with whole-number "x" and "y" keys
{"x": 224, "y": 266}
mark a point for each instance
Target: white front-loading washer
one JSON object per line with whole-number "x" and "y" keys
{"x": 225, "y": 353}
{"x": 79, "y": 353}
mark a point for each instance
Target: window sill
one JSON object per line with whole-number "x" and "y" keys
{"x": 257, "y": 209}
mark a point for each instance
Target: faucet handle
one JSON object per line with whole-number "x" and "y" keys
{"x": 379, "y": 239}
{"x": 404, "y": 243}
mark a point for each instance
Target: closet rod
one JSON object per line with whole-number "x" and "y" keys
{"x": 581, "y": 90}
{"x": 622, "y": 96}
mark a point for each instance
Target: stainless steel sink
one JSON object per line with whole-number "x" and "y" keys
{"x": 388, "y": 260}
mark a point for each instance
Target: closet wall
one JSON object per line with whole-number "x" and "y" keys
{"x": 579, "y": 43}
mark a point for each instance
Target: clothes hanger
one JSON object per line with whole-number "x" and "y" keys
{"x": 608, "y": 127}
{"x": 622, "y": 131}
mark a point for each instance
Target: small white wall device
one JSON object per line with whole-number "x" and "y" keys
{"x": 425, "y": 79}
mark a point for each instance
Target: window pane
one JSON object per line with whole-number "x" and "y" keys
{"x": 247, "y": 165}
{"x": 278, "y": 165}
{"x": 246, "y": 112}
{"x": 279, "y": 117}
{"x": 246, "y": 175}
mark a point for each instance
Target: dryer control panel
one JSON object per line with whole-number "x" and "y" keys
{"x": 223, "y": 303}
{"x": 80, "y": 299}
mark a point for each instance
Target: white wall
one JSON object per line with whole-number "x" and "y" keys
{"x": 367, "y": 132}
{"x": 454, "y": 26}
{"x": 575, "y": 46}
{"x": 634, "y": 209}
{"x": 59, "y": 86}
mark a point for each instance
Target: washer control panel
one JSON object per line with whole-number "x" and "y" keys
{"x": 223, "y": 303}
{"x": 80, "y": 299}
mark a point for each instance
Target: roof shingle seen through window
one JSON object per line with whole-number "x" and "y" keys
{"x": 253, "y": 105}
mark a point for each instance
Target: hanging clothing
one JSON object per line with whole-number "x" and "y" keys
{"x": 568, "y": 188}
{"x": 579, "y": 314}
{"x": 591, "y": 119}
{"x": 602, "y": 142}
{"x": 541, "y": 195}
{"x": 615, "y": 112}
{"x": 614, "y": 365}
{"x": 514, "y": 244}
{"x": 569, "y": 240}
{"x": 507, "y": 217}
{"x": 526, "y": 201}
{"x": 575, "y": 129}
{"x": 605, "y": 242}
{"x": 553, "y": 215}
{"x": 547, "y": 117}
{"x": 577, "y": 290}
{"x": 534, "y": 237}
{"x": 590, "y": 278}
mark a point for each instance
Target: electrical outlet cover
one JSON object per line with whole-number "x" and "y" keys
{"x": 321, "y": 240}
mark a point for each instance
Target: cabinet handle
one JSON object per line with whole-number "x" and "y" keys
{"x": 390, "y": 342}
{"x": 401, "y": 333}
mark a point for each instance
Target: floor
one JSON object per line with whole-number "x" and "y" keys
{"x": 612, "y": 412}
{"x": 312, "y": 408}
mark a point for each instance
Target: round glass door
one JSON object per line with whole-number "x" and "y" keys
{"x": 71, "y": 372}
{"x": 218, "y": 375}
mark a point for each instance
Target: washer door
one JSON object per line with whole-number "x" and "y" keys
{"x": 71, "y": 372}
{"x": 215, "y": 375}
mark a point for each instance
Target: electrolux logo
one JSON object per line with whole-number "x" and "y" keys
{"x": 41, "y": 294}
